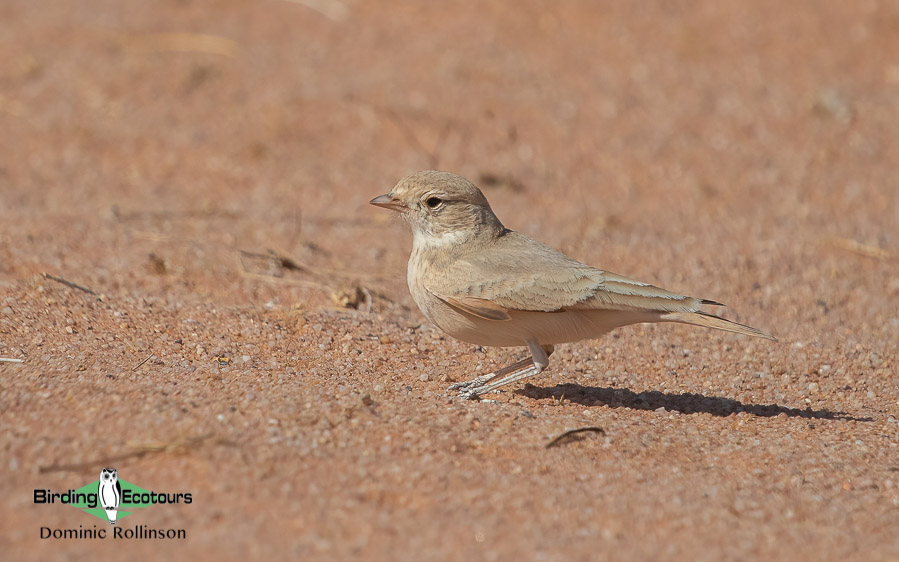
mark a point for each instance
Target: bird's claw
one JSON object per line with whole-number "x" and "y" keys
{"x": 473, "y": 391}
{"x": 470, "y": 395}
{"x": 473, "y": 384}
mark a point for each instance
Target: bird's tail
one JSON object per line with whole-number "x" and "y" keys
{"x": 712, "y": 321}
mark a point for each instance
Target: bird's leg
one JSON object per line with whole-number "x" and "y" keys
{"x": 539, "y": 356}
{"x": 483, "y": 379}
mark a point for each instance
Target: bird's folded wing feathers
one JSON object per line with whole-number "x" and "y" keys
{"x": 477, "y": 307}
{"x": 539, "y": 278}
{"x": 619, "y": 292}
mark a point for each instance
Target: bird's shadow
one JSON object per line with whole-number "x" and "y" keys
{"x": 686, "y": 403}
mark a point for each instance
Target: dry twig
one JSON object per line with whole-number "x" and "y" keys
{"x": 567, "y": 433}
{"x": 138, "y": 452}
{"x": 147, "y": 358}
{"x": 70, "y": 284}
{"x": 857, "y": 247}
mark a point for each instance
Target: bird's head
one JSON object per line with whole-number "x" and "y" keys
{"x": 442, "y": 208}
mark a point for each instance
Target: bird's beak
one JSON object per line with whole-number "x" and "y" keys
{"x": 389, "y": 201}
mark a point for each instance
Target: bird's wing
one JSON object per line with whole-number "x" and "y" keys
{"x": 481, "y": 308}
{"x": 519, "y": 273}
{"x": 618, "y": 292}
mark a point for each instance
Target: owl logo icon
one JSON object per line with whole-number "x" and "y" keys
{"x": 110, "y": 492}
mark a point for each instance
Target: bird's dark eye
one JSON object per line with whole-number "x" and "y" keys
{"x": 433, "y": 202}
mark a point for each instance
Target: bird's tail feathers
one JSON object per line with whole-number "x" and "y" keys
{"x": 712, "y": 321}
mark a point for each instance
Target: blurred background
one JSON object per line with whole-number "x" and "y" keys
{"x": 272, "y": 123}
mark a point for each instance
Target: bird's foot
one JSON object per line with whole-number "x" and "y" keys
{"x": 465, "y": 386}
{"x": 477, "y": 392}
{"x": 470, "y": 390}
{"x": 473, "y": 392}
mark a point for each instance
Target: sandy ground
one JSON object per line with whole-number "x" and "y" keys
{"x": 204, "y": 170}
